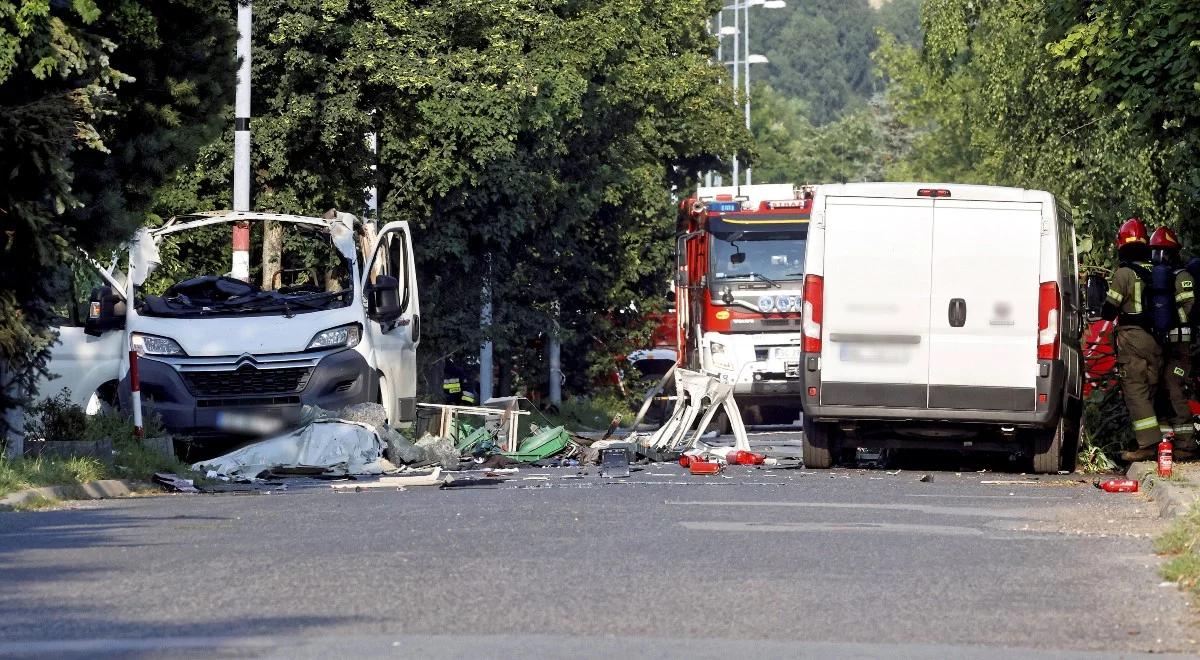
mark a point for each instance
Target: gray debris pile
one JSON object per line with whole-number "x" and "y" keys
{"x": 352, "y": 441}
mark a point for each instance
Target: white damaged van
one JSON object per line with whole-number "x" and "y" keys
{"x": 338, "y": 324}
{"x": 941, "y": 316}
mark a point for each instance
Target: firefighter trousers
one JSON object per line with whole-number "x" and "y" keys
{"x": 1176, "y": 372}
{"x": 1140, "y": 360}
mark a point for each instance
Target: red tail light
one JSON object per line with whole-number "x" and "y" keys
{"x": 1048, "y": 316}
{"x": 814, "y": 304}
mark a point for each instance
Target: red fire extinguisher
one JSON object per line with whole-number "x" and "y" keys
{"x": 1166, "y": 455}
{"x": 1119, "y": 486}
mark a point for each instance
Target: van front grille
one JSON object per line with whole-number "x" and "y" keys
{"x": 248, "y": 381}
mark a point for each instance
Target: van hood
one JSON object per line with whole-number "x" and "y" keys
{"x": 237, "y": 335}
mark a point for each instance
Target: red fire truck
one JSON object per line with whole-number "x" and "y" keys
{"x": 738, "y": 292}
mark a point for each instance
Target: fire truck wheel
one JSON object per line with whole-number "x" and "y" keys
{"x": 818, "y": 445}
{"x": 1048, "y": 448}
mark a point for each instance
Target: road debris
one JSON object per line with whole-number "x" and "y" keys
{"x": 174, "y": 482}
{"x": 1010, "y": 482}
{"x": 434, "y": 478}
{"x": 926, "y": 479}
{"x": 614, "y": 463}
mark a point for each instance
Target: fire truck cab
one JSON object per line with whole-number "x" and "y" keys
{"x": 739, "y": 278}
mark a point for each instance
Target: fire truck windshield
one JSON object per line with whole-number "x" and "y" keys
{"x": 760, "y": 257}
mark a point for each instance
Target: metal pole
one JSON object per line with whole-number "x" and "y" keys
{"x": 555, "y": 371}
{"x": 241, "y": 145}
{"x": 485, "y": 351}
{"x": 746, "y": 62}
{"x": 241, "y": 122}
{"x": 736, "y": 37}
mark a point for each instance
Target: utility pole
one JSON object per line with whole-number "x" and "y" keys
{"x": 485, "y": 323}
{"x": 746, "y": 79}
{"x": 555, "y": 351}
{"x": 736, "y": 41}
{"x": 241, "y": 145}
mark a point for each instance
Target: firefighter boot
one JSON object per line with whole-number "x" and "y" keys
{"x": 1139, "y": 454}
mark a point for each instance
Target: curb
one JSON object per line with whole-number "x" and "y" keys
{"x": 92, "y": 490}
{"x": 1173, "y": 498}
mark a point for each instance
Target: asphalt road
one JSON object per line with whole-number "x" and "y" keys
{"x": 781, "y": 562}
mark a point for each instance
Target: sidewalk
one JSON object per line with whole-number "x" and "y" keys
{"x": 1173, "y": 496}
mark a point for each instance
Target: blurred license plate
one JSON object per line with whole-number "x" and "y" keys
{"x": 878, "y": 354}
{"x": 236, "y": 422}
{"x": 789, "y": 353}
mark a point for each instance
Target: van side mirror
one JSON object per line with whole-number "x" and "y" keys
{"x": 106, "y": 311}
{"x": 383, "y": 299}
{"x": 671, "y": 296}
{"x": 1097, "y": 291}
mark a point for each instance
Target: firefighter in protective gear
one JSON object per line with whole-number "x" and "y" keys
{"x": 1165, "y": 249}
{"x": 1139, "y": 356}
{"x": 452, "y": 383}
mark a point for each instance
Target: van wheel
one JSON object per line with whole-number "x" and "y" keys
{"x": 818, "y": 441}
{"x": 1048, "y": 448}
{"x": 1073, "y": 428}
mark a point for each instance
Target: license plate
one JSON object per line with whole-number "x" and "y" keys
{"x": 245, "y": 423}
{"x": 877, "y": 354}
{"x": 788, "y": 353}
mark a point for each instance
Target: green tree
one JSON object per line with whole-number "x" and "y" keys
{"x": 1142, "y": 60}
{"x": 99, "y": 101}
{"x": 989, "y": 104}
{"x": 535, "y": 141}
{"x": 819, "y": 51}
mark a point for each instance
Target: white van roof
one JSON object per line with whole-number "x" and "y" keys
{"x": 957, "y": 191}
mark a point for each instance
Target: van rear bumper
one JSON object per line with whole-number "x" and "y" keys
{"x": 1040, "y": 406}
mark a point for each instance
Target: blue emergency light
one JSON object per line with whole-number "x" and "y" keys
{"x": 724, "y": 207}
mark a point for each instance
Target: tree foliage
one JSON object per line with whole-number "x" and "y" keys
{"x": 533, "y": 145}
{"x": 990, "y": 104}
{"x": 99, "y": 101}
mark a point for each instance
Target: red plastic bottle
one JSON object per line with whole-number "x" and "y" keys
{"x": 740, "y": 457}
{"x": 705, "y": 467}
{"x": 1166, "y": 455}
{"x": 1119, "y": 486}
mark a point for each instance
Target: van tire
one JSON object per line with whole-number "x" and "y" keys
{"x": 1048, "y": 448}
{"x": 1073, "y": 427}
{"x": 818, "y": 438}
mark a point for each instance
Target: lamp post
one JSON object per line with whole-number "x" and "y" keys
{"x": 741, "y": 48}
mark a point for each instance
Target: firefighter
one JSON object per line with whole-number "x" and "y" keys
{"x": 1165, "y": 251}
{"x": 452, "y": 383}
{"x": 1139, "y": 356}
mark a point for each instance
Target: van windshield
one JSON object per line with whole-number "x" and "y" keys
{"x": 770, "y": 257}
{"x": 304, "y": 272}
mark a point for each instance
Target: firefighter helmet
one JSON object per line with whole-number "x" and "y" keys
{"x": 1132, "y": 231}
{"x": 1164, "y": 239}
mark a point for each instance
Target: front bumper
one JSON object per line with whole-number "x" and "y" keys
{"x": 193, "y": 399}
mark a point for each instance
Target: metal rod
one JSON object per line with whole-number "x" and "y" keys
{"x": 746, "y": 63}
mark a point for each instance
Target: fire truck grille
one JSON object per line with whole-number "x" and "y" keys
{"x": 248, "y": 381}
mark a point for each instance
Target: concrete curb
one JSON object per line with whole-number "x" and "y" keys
{"x": 92, "y": 490}
{"x": 1173, "y": 498}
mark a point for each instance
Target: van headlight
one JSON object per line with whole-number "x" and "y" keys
{"x": 343, "y": 336}
{"x": 154, "y": 345}
{"x": 720, "y": 358}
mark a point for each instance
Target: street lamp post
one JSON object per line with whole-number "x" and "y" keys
{"x": 741, "y": 48}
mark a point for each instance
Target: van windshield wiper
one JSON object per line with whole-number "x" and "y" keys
{"x": 759, "y": 276}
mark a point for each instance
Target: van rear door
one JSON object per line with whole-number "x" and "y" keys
{"x": 983, "y": 305}
{"x": 877, "y": 253}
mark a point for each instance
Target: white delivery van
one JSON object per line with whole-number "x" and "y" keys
{"x": 941, "y": 316}
{"x": 338, "y": 324}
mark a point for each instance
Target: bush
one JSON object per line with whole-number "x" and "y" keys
{"x": 56, "y": 418}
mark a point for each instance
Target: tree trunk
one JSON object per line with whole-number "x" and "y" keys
{"x": 272, "y": 254}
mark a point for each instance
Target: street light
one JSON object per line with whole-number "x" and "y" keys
{"x": 742, "y": 35}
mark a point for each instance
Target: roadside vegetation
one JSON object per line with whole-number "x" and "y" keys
{"x": 57, "y": 419}
{"x": 1181, "y": 544}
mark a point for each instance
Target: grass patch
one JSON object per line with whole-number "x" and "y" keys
{"x": 132, "y": 460}
{"x": 35, "y": 472}
{"x": 1181, "y": 543}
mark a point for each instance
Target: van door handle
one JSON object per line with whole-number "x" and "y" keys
{"x": 958, "y": 312}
